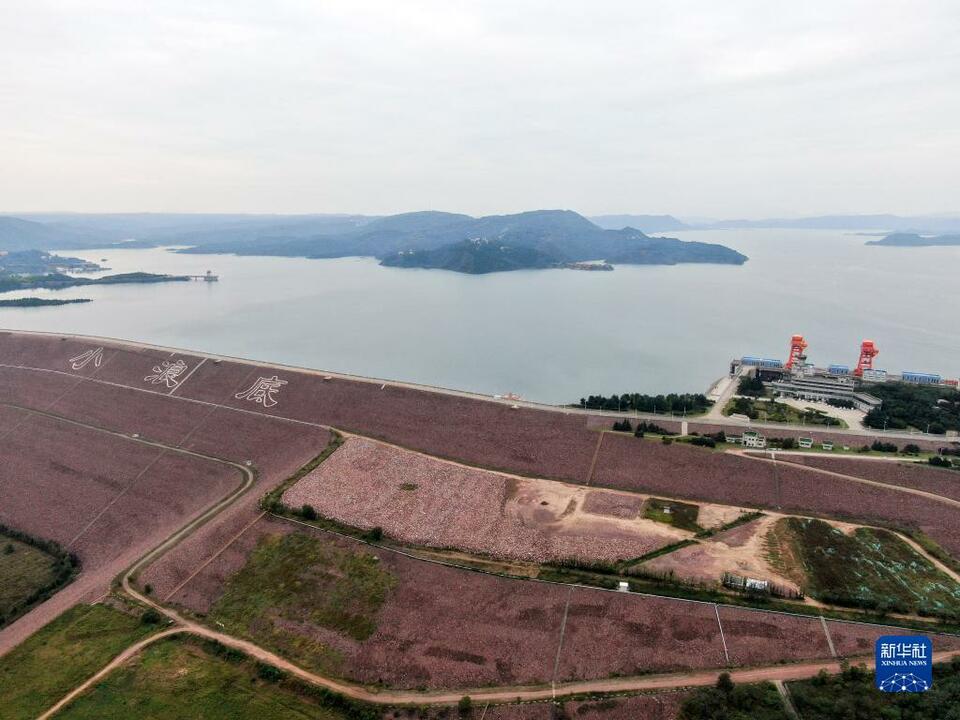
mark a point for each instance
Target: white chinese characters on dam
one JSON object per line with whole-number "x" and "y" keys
{"x": 94, "y": 356}
{"x": 166, "y": 373}
{"x": 263, "y": 391}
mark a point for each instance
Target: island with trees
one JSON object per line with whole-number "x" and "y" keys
{"x": 41, "y": 302}
{"x": 436, "y": 240}
{"x": 916, "y": 240}
{"x": 10, "y": 282}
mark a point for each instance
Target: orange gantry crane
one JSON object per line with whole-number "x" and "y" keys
{"x": 797, "y": 346}
{"x": 868, "y": 351}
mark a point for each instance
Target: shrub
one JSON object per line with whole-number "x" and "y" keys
{"x": 938, "y": 461}
{"x": 8, "y": 549}
{"x": 465, "y": 705}
{"x": 151, "y": 617}
{"x": 269, "y": 673}
{"x": 308, "y": 513}
{"x": 911, "y": 449}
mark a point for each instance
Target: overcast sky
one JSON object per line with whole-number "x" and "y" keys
{"x": 692, "y": 108}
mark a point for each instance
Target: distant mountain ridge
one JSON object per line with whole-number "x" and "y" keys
{"x": 890, "y": 223}
{"x": 644, "y": 223}
{"x": 17, "y": 234}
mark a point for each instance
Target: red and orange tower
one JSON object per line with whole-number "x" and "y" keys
{"x": 797, "y": 346}
{"x": 868, "y": 351}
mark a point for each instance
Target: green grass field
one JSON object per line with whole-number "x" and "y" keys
{"x": 292, "y": 582}
{"x": 50, "y": 663}
{"x": 680, "y": 515}
{"x": 871, "y": 568}
{"x": 183, "y": 677}
{"x": 24, "y": 570}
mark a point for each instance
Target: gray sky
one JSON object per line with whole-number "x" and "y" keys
{"x": 693, "y": 108}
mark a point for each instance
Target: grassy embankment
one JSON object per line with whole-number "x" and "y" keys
{"x": 871, "y": 569}
{"x": 682, "y": 516}
{"x": 295, "y": 581}
{"x": 31, "y": 570}
{"x": 182, "y": 677}
{"x": 57, "y": 658}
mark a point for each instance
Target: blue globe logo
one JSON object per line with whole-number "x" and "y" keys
{"x": 904, "y": 682}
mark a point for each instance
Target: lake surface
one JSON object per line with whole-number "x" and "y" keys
{"x": 549, "y": 335}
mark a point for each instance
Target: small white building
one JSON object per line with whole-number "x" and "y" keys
{"x": 624, "y": 586}
{"x": 826, "y": 445}
{"x": 805, "y": 443}
{"x": 753, "y": 439}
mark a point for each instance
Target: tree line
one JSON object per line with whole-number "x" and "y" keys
{"x": 907, "y": 406}
{"x": 674, "y": 403}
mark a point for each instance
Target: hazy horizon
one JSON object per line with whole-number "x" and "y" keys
{"x": 748, "y": 109}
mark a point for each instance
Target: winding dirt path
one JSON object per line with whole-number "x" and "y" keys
{"x": 772, "y": 673}
{"x": 89, "y": 580}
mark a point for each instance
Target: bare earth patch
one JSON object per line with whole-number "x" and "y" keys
{"x": 434, "y": 503}
{"x": 740, "y": 550}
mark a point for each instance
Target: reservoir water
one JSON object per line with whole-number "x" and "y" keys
{"x": 548, "y": 335}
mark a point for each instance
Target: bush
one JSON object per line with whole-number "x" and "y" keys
{"x": 703, "y": 441}
{"x": 308, "y": 513}
{"x": 666, "y": 441}
{"x": 375, "y": 534}
{"x": 465, "y": 705}
{"x": 151, "y": 617}
{"x": 622, "y": 426}
{"x": 752, "y": 386}
{"x": 883, "y": 447}
{"x": 938, "y": 461}
{"x": 911, "y": 449}
{"x": 840, "y": 403}
{"x": 9, "y": 549}
{"x": 269, "y": 673}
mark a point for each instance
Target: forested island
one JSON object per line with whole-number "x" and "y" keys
{"x": 41, "y": 302}
{"x": 916, "y": 240}
{"x": 37, "y": 262}
{"x": 447, "y": 241}
{"x": 56, "y": 281}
